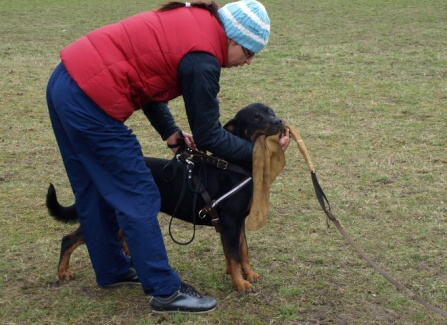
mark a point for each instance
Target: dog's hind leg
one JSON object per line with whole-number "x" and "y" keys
{"x": 69, "y": 243}
{"x": 249, "y": 274}
{"x": 123, "y": 243}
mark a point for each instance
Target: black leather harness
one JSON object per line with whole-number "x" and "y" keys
{"x": 189, "y": 157}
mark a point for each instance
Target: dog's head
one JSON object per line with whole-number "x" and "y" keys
{"x": 254, "y": 120}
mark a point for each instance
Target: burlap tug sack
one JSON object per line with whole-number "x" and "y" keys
{"x": 268, "y": 161}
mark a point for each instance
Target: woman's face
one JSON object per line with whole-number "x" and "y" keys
{"x": 237, "y": 55}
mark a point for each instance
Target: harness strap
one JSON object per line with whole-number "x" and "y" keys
{"x": 210, "y": 208}
{"x": 196, "y": 155}
{"x": 211, "y": 211}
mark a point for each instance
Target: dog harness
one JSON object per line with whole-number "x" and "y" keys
{"x": 191, "y": 156}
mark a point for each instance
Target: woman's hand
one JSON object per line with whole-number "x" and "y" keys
{"x": 178, "y": 138}
{"x": 189, "y": 140}
{"x": 284, "y": 139}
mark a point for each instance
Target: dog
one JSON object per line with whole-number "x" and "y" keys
{"x": 228, "y": 216}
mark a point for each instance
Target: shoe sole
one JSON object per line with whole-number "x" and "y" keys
{"x": 157, "y": 312}
{"x": 120, "y": 284}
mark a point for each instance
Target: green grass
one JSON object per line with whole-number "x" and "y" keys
{"x": 364, "y": 82}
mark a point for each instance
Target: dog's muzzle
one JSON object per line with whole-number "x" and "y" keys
{"x": 278, "y": 123}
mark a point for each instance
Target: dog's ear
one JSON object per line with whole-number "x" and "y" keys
{"x": 232, "y": 126}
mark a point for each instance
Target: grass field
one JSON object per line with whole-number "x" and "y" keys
{"x": 366, "y": 84}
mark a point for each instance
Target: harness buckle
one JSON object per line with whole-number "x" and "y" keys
{"x": 222, "y": 164}
{"x": 210, "y": 210}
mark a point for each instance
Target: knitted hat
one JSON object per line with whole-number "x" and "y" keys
{"x": 246, "y": 22}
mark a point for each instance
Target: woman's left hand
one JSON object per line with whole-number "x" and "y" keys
{"x": 284, "y": 139}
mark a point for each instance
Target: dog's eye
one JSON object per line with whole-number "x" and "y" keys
{"x": 256, "y": 119}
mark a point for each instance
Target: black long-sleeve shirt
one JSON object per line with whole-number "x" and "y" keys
{"x": 198, "y": 75}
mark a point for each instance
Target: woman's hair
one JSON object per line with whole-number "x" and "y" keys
{"x": 212, "y": 6}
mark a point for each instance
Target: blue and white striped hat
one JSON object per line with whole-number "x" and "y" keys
{"x": 246, "y": 22}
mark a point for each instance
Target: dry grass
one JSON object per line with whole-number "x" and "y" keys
{"x": 365, "y": 82}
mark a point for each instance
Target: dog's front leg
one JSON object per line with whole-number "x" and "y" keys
{"x": 249, "y": 274}
{"x": 234, "y": 270}
{"x": 234, "y": 257}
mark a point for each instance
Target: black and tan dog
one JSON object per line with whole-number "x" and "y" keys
{"x": 249, "y": 123}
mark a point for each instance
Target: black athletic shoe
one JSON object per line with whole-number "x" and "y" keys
{"x": 130, "y": 278}
{"x": 184, "y": 300}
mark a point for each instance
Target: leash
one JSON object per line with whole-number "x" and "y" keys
{"x": 327, "y": 210}
{"x": 187, "y": 175}
{"x": 325, "y": 205}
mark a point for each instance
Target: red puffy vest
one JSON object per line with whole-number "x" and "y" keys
{"x": 132, "y": 62}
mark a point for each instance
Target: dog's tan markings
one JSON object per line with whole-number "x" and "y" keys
{"x": 256, "y": 135}
{"x": 63, "y": 270}
{"x": 123, "y": 243}
{"x": 249, "y": 274}
{"x": 235, "y": 268}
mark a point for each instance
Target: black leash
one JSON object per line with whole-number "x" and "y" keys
{"x": 187, "y": 181}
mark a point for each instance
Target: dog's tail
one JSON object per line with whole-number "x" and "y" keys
{"x": 58, "y": 212}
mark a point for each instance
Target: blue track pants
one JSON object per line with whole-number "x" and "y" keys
{"x": 113, "y": 188}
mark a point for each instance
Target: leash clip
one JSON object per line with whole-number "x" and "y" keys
{"x": 189, "y": 162}
{"x": 184, "y": 157}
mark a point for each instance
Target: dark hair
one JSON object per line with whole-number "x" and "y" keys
{"x": 212, "y": 6}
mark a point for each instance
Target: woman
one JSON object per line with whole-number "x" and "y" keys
{"x": 143, "y": 62}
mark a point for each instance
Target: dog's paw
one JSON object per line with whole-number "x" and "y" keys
{"x": 252, "y": 276}
{"x": 66, "y": 275}
{"x": 244, "y": 286}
